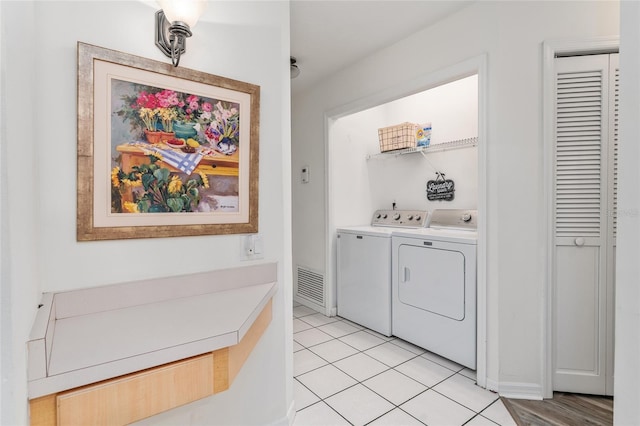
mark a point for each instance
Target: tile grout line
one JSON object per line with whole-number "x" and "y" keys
{"x": 364, "y": 353}
{"x": 493, "y": 403}
{"x": 480, "y": 415}
{"x": 384, "y": 414}
{"x": 386, "y": 339}
{"x": 359, "y": 382}
{"x": 458, "y": 402}
{"x": 391, "y": 340}
{"x": 330, "y": 407}
{"x": 348, "y": 356}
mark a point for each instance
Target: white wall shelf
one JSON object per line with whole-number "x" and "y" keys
{"x": 445, "y": 146}
{"x": 78, "y": 339}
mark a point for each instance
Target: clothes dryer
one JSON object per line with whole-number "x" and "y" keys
{"x": 434, "y": 285}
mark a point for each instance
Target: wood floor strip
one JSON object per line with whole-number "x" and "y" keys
{"x": 565, "y": 409}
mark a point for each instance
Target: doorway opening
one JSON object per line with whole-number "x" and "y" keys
{"x": 341, "y": 210}
{"x": 363, "y": 180}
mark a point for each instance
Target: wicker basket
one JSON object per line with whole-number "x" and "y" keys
{"x": 397, "y": 137}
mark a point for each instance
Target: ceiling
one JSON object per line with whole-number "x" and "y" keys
{"x": 329, "y": 35}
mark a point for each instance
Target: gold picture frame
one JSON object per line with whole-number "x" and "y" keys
{"x": 200, "y": 178}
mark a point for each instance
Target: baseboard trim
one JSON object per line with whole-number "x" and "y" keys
{"x": 291, "y": 413}
{"x": 309, "y": 304}
{"x": 493, "y": 385}
{"x": 515, "y": 390}
{"x": 288, "y": 419}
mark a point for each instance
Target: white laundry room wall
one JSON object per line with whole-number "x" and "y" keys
{"x": 510, "y": 36}
{"x": 364, "y": 181}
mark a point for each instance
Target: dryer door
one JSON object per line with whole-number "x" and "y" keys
{"x": 432, "y": 279}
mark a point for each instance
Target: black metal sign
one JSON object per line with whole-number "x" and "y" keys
{"x": 440, "y": 189}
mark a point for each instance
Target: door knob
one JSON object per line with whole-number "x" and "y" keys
{"x": 579, "y": 241}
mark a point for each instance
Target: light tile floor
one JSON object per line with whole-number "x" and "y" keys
{"x": 346, "y": 374}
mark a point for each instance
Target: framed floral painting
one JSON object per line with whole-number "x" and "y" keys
{"x": 163, "y": 151}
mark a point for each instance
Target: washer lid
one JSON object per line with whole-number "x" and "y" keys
{"x": 373, "y": 231}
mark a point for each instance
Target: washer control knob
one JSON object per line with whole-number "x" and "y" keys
{"x": 410, "y": 217}
{"x": 384, "y": 216}
{"x": 378, "y": 216}
{"x": 466, "y": 217}
{"x": 396, "y": 216}
{"x": 418, "y": 218}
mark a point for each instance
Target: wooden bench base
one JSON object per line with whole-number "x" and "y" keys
{"x": 126, "y": 399}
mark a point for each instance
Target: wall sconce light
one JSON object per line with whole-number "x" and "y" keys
{"x": 173, "y": 25}
{"x": 295, "y": 71}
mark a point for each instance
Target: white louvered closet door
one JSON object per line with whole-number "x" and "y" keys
{"x": 584, "y": 223}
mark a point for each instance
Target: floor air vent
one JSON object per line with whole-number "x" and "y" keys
{"x": 310, "y": 285}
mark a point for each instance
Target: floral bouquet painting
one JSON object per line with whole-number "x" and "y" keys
{"x": 151, "y": 109}
{"x": 172, "y": 152}
{"x": 163, "y": 151}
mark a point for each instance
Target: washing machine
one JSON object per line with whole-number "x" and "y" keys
{"x": 434, "y": 285}
{"x": 363, "y": 270}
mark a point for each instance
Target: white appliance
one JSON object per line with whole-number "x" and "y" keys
{"x": 434, "y": 285}
{"x": 364, "y": 267}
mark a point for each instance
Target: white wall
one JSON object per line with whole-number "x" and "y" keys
{"x": 363, "y": 181}
{"x": 251, "y": 43}
{"x": 451, "y": 108}
{"x": 511, "y": 34}
{"x": 19, "y": 284}
{"x": 627, "y": 349}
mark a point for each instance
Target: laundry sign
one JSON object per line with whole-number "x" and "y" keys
{"x": 440, "y": 189}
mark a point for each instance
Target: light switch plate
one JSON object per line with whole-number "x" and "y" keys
{"x": 251, "y": 247}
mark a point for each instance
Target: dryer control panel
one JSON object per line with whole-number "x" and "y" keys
{"x": 454, "y": 219}
{"x": 401, "y": 218}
